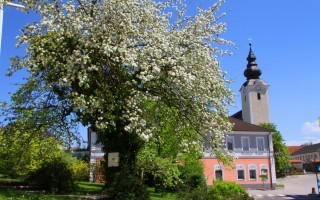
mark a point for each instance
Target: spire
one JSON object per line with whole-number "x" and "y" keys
{"x": 252, "y": 71}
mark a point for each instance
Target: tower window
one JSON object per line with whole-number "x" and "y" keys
{"x": 259, "y": 96}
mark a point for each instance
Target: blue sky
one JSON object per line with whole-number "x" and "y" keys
{"x": 285, "y": 36}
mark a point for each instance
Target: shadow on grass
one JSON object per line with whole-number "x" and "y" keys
{"x": 160, "y": 195}
{"x": 13, "y": 181}
{"x": 89, "y": 188}
{"x": 17, "y": 194}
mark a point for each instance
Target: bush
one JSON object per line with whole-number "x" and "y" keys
{"x": 192, "y": 175}
{"x": 200, "y": 193}
{"x": 228, "y": 190}
{"x": 80, "y": 170}
{"x": 127, "y": 187}
{"x": 54, "y": 176}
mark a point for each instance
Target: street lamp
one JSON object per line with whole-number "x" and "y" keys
{"x": 2, "y": 3}
{"x": 316, "y": 171}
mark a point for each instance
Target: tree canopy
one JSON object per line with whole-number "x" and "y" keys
{"x": 281, "y": 153}
{"x": 97, "y": 62}
{"x": 22, "y": 150}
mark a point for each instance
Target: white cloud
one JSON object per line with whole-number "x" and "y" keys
{"x": 310, "y": 134}
{"x": 311, "y": 128}
{"x": 306, "y": 140}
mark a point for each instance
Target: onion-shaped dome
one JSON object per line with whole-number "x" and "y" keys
{"x": 252, "y": 71}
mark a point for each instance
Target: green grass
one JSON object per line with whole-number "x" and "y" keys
{"x": 89, "y": 188}
{"x": 6, "y": 179}
{"x": 17, "y": 195}
{"x": 280, "y": 186}
{"x": 160, "y": 195}
{"x": 83, "y": 188}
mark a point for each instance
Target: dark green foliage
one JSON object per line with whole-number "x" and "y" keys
{"x": 281, "y": 153}
{"x": 127, "y": 187}
{"x": 116, "y": 139}
{"x": 219, "y": 191}
{"x": 193, "y": 185}
{"x": 192, "y": 174}
{"x": 54, "y": 176}
{"x": 200, "y": 193}
{"x": 228, "y": 190}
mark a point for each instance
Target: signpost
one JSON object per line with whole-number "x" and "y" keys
{"x": 263, "y": 178}
{"x": 113, "y": 159}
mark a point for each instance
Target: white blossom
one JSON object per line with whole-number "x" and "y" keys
{"x": 118, "y": 54}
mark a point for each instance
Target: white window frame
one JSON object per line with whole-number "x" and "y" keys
{"x": 242, "y": 168}
{"x": 242, "y": 138}
{"x": 263, "y": 146}
{"x": 252, "y": 167}
{"x": 230, "y": 137}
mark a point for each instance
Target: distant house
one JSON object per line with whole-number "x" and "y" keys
{"x": 251, "y": 143}
{"x": 296, "y": 164}
{"x": 293, "y": 149}
{"x": 96, "y": 158}
{"x": 309, "y": 155}
{"x": 80, "y": 152}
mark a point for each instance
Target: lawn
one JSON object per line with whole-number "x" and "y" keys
{"x": 89, "y": 188}
{"x": 83, "y": 188}
{"x": 5, "y": 179}
{"x": 18, "y": 194}
{"x": 160, "y": 195}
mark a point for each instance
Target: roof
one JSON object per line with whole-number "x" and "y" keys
{"x": 295, "y": 161}
{"x": 293, "y": 149}
{"x": 307, "y": 149}
{"x": 238, "y": 115}
{"x": 239, "y": 125}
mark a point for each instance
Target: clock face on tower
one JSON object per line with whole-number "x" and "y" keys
{"x": 258, "y": 88}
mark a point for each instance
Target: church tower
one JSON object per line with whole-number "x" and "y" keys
{"x": 254, "y": 94}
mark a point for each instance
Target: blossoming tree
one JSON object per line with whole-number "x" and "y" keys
{"x": 98, "y": 62}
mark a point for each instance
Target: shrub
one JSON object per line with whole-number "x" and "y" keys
{"x": 80, "y": 170}
{"x": 54, "y": 176}
{"x": 192, "y": 175}
{"x": 228, "y": 190}
{"x": 200, "y": 193}
{"x": 127, "y": 187}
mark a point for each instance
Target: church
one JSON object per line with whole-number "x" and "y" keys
{"x": 254, "y": 166}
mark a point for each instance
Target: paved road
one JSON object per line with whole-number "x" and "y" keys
{"x": 296, "y": 187}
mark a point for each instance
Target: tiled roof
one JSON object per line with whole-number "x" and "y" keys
{"x": 293, "y": 149}
{"x": 238, "y": 115}
{"x": 239, "y": 125}
{"x": 308, "y": 149}
{"x": 295, "y": 161}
